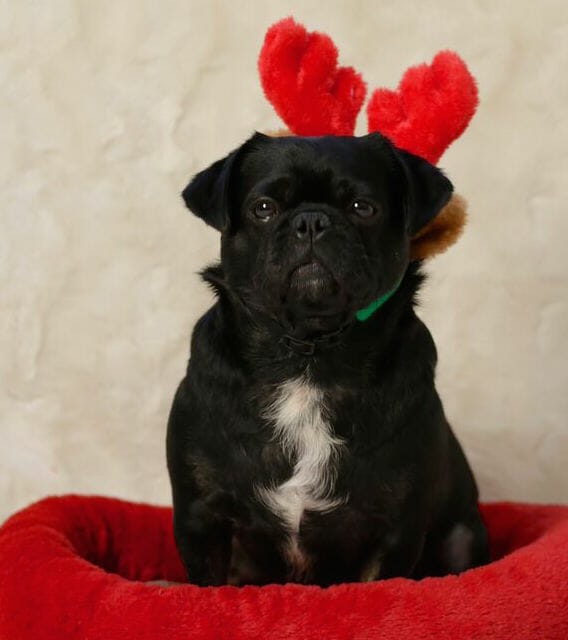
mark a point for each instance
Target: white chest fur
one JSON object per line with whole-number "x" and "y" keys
{"x": 298, "y": 415}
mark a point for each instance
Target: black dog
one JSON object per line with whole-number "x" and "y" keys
{"x": 307, "y": 442}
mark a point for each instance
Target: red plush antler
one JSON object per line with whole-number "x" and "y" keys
{"x": 430, "y": 109}
{"x": 300, "y": 77}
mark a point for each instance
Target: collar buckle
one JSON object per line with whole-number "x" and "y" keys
{"x": 309, "y": 347}
{"x": 301, "y": 347}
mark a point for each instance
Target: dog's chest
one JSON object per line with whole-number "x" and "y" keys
{"x": 299, "y": 417}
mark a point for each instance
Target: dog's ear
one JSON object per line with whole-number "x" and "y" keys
{"x": 207, "y": 195}
{"x": 441, "y": 232}
{"x": 428, "y": 190}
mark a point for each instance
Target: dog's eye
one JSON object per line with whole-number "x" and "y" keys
{"x": 264, "y": 208}
{"x": 363, "y": 208}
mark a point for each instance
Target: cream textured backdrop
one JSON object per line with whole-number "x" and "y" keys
{"x": 108, "y": 106}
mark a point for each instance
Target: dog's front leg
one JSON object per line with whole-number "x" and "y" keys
{"x": 203, "y": 537}
{"x": 401, "y": 556}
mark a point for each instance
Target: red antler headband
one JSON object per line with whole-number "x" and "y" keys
{"x": 300, "y": 77}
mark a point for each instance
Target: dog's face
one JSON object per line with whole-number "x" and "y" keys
{"x": 314, "y": 229}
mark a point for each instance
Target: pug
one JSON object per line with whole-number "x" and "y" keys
{"x": 307, "y": 442}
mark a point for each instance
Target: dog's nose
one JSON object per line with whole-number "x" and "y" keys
{"x": 311, "y": 224}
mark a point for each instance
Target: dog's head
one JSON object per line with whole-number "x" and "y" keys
{"x": 314, "y": 229}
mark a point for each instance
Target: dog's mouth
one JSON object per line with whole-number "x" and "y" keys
{"x": 311, "y": 282}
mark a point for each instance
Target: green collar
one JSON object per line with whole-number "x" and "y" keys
{"x": 367, "y": 312}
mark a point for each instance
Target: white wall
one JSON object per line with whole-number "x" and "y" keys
{"x": 108, "y": 107}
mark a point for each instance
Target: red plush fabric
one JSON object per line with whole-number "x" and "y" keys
{"x": 299, "y": 74}
{"x": 300, "y": 77}
{"x": 430, "y": 109}
{"x": 73, "y": 568}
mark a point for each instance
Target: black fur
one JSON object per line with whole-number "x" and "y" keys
{"x": 402, "y": 470}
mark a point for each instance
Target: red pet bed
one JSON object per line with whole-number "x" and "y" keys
{"x": 75, "y": 567}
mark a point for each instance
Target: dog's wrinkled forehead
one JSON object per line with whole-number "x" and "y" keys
{"x": 317, "y": 169}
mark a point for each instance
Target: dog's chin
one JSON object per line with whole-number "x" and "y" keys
{"x": 311, "y": 284}
{"x": 314, "y": 301}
